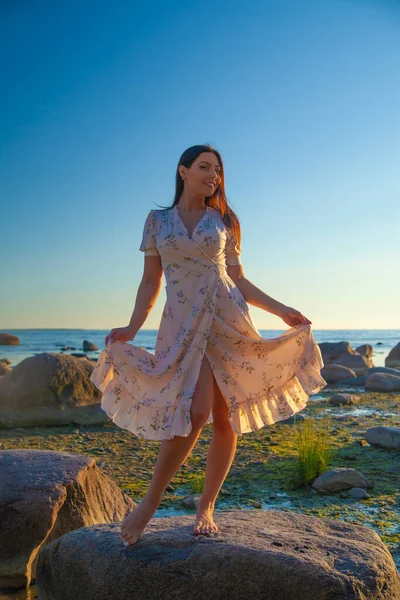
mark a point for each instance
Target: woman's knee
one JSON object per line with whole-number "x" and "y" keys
{"x": 202, "y": 400}
{"x": 220, "y": 411}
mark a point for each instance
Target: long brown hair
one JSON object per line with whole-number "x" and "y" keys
{"x": 218, "y": 198}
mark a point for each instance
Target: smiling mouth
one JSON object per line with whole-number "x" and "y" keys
{"x": 210, "y": 184}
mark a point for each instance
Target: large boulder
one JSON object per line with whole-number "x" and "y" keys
{"x": 50, "y": 389}
{"x": 330, "y": 350}
{"x": 356, "y": 362}
{"x": 8, "y": 339}
{"x": 335, "y": 373}
{"x": 368, "y": 372}
{"x": 43, "y": 495}
{"x": 383, "y": 382}
{"x": 341, "y": 353}
{"x": 358, "y": 381}
{"x": 393, "y": 358}
{"x": 263, "y": 554}
{"x": 366, "y": 350}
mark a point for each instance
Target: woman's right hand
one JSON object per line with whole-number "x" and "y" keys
{"x": 122, "y": 334}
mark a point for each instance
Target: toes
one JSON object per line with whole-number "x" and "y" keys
{"x": 204, "y": 529}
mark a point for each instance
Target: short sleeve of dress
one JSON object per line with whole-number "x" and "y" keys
{"x": 232, "y": 251}
{"x": 148, "y": 245}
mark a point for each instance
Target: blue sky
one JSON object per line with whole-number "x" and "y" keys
{"x": 99, "y": 101}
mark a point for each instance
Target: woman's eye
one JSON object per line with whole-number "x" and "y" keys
{"x": 204, "y": 167}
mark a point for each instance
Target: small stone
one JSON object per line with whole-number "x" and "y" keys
{"x": 191, "y": 501}
{"x": 359, "y": 493}
{"x": 343, "y": 399}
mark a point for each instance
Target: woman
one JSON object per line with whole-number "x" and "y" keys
{"x": 211, "y": 365}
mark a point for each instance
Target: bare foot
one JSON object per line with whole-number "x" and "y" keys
{"x": 134, "y": 523}
{"x": 204, "y": 521}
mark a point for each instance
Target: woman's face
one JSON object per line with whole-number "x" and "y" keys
{"x": 203, "y": 172}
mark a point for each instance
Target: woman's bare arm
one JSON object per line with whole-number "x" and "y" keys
{"x": 148, "y": 292}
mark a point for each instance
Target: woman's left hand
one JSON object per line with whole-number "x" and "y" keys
{"x": 292, "y": 317}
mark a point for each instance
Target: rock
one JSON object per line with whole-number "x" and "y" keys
{"x": 331, "y": 350}
{"x": 359, "y": 380}
{"x": 43, "y": 495}
{"x": 191, "y": 501}
{"x": 365, "y": 350}
{"x": 345, "y": 419}
{"x": 4, "y": 369}
{"x": 383, "y": 382}
{"x": 78, "y": 354}
{"x": 7, "y": 339}
{"x": 50, "y": 389}
{"x": 356, "y": 362}
{"x": 296, "y": 418}
{"x": 339, "y": 399}
{"x": 334, "y": 373}
{"x": 341, "y": 353}
{"x": 351, "y": 457}
{"x": 340, "y": 478}
{"x": 88, "y": 345}
{"x": 393, "y": 358}
{"x": 262, "y": 554}
{"x": 384, "y": 437}
{"x": 359, "y": 493}
{"x": 368, "y": 372}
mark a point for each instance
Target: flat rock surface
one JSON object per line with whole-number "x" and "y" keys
{"x": 264, "y": 554}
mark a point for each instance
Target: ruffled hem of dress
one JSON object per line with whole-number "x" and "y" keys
{"x": 164, "y": 423}
{"x": 291, "y": 398}
{"x": 127, "y": 412}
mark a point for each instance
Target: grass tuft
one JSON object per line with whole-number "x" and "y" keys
{"x": 313, "y": 449}
{"x": 197, "y": 482}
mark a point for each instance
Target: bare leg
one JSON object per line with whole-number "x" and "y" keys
{"x": 219, "y": 460}
{"x": 171, "y": 456}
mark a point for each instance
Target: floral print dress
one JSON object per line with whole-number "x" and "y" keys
{"x": 262, "y": 380}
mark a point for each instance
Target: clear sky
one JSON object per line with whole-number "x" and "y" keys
{"x": 99, "y": 101}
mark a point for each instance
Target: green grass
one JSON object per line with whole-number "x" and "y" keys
{"x": 197, "y": 482}
{"x": 314, "y": 451}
